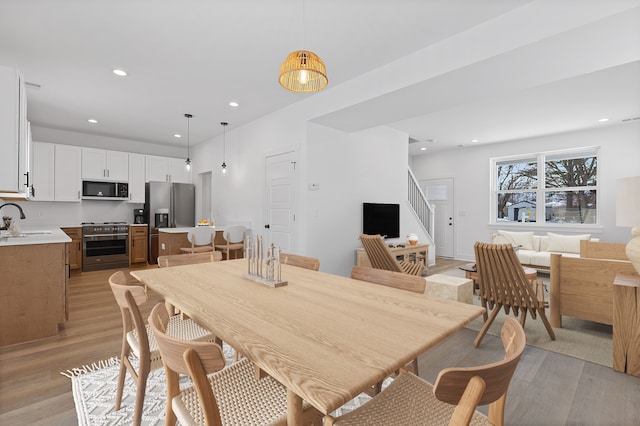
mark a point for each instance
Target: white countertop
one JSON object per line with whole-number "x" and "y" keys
{"x": 185, "y": 229}
{"x": 34, "y": 235}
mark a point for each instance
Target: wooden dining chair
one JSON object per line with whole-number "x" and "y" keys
{"x": 300, "y": 261}
{"x": 188, "y": 258}
{"x": 503, "y": 285}
{"x": 397, "y": 280}
{"x": 234, "y": 237}
{"x": 201, "y": 239}
{"x": 381, "y": 258}
{"x": 410, "y": 400}
{"x": 229, "y": 395}
{"x": 137, "y": 339}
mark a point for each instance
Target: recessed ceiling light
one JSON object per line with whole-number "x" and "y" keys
{"x": 177, "y": 135}
{"x": 423, "y": 149}
{"x": 92, "y": 121}
{"x": 234, "y": 104}
{"x": 474, "y": 141}
{"x": 602, "y": 120}
{"x": 120, "y": 73}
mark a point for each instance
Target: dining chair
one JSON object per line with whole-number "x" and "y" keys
{"x": 234, "y": 237}
{"x": 188, "y": 258}
{"x": 381, "y": 258}
{"x": 300, "y": 261}
{"x": 229, "y": 395}
{"x": 410, "y": 400}
{"x": 139, "y": 340}
{"x": 503, "y": 285}
{"x": 201, "y": 239}
{"x": 396, "y": 280}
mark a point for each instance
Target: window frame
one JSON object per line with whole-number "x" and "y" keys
{"x": 540, "y": 189}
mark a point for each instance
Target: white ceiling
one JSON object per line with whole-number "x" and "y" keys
{"x": 195, "y": 56}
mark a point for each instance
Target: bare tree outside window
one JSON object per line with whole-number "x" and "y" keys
{"x": 567, "y": 183}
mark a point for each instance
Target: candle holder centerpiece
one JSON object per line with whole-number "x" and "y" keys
{"x": 263, "y": 269}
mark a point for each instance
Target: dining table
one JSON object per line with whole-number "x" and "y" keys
{"x": 326, "y": 338}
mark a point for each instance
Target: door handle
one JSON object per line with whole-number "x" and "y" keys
{"x": 267, "y": 226}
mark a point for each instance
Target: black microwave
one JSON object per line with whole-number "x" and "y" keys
{"x": 93, "y": 190}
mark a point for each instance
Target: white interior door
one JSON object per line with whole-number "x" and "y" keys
{"x": 281, "y": 183}
{"x": 439, "y": 192}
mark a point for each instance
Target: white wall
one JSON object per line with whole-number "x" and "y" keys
{"x": 619, "y": 154}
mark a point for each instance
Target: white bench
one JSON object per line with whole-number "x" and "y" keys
{"x": 449, "y": 287}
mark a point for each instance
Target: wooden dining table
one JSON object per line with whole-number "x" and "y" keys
{"x": 325, "y": 337}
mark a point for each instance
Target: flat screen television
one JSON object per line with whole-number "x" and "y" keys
{"x": 383, "y": 219}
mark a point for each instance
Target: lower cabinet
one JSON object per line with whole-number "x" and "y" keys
{"x": 74, "y": 248}
{"x": 138, "y": 243}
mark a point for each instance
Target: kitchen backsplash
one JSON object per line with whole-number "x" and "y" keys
{"x": 72, "y": 214}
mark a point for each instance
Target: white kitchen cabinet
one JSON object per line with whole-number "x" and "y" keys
{"x": 68, "y": 173}
{"x": 15, "y": 161}
{"x": 56, "y": 172}
{"x": 179, "y": 173}
{"x": 137, "y": 177}
{"x": 104, "y": 165}
{"x": 166, "y": 169}
{"x": 43, "y": 174}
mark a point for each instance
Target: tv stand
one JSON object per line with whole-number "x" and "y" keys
{"x": 416, "y": 253}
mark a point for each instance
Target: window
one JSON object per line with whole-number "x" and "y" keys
{"x": 551, "y": 187}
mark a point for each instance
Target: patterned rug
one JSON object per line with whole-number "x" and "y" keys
{"x": 94, "y": 389}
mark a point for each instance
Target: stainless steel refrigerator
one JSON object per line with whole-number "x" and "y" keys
{"x": 167, "y": 205}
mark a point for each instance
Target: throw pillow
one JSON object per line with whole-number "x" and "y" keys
{"x": 523, "y": 240}
{"x": 566, "y": 243}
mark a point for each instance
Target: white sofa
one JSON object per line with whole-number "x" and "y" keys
{"x": 535, "y": 251}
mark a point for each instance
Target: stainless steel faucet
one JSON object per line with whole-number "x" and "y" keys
{"x": 22, "y": 216}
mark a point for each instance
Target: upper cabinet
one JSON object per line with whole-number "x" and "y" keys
{"x": 56, "y": 172}
{"x": 137, "y": 177}
{"x": 103, "y": 165}
{"x": 166, "y": 169}
{"x": 68, "y": 175}
{"x": 15, "y": 139}
{"x": 43, "y": 171}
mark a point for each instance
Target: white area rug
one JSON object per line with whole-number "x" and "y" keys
{"x": 94, "y": 391}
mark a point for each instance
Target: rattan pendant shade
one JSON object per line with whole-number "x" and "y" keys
{"x": 303, "y": 71}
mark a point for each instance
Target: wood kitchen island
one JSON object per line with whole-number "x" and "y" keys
{"x": 33, "y": 285}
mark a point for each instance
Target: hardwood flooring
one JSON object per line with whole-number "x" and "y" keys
{"x": 547, "y": 389}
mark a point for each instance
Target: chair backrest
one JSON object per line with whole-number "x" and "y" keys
{"x": 235, "y": 234}
{"x": 128, "y": 298}
{"x": 379, "y": 254}
{"x": 452, "y": 382}
{"x": 172, "y": 351}
{"x": 201, "y": 235}
{"x": 501, "y": 277}
{"x": 300, "y": 261}
{"x": 389, "y": 278}
{"x": 188, "y": 258}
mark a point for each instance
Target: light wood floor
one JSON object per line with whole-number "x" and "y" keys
{"x": 547, "y": 389}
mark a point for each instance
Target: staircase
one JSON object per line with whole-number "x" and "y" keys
{"x": 421, "y": 207}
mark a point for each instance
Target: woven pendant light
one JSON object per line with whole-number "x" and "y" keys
{"x": 303, "y": 71}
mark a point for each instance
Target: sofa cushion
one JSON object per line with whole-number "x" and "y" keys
{"x": 543, "y": 258}
{"x": 523, "y": 240}
{"x": 524, "y": 256}
{"x": 565, "y": 243}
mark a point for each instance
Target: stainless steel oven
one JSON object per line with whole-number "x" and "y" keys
{"x": 105, "y": 246}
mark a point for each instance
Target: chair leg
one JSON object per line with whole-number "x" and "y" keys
{"x": 143, "y": 373}
{"x": 483, "y": 303}
{"x": 487, "y": 324}
{"x": 121, "y": 376}
{"x": 546, "y": 323}
{"x": 523, "y": 316}
{"x": 173, "y": 389}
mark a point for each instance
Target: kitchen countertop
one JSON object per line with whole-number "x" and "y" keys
{"x": 34, "y": 235}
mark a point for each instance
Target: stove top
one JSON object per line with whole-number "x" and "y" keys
{"x": 91, "y": 228}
